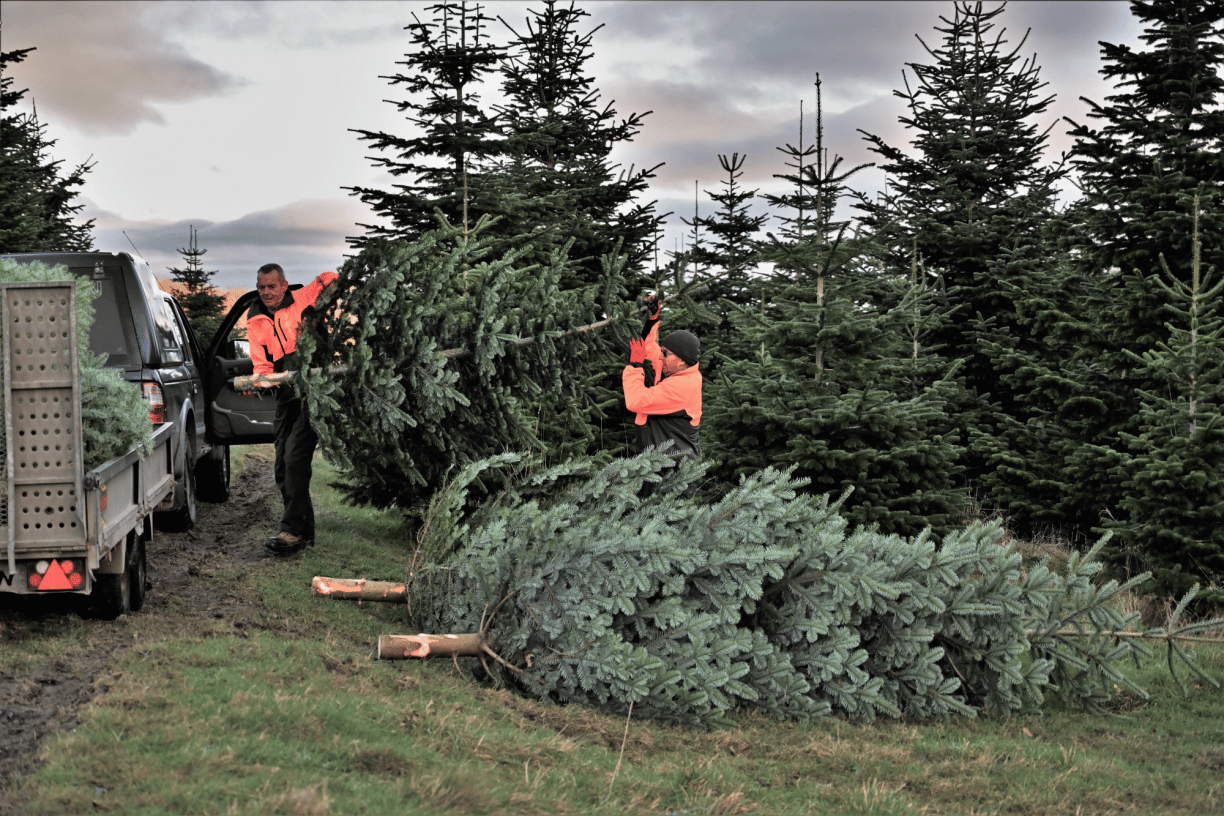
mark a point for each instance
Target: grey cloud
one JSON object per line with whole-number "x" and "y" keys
{"x": 746, "y": 50}
{"x": 692, "y": 126}
{"x": 304, "y": 237}
{"x": 293, "y": 25}
{"x": 744, "y": 95}
{"x": 101, "y": 66}
{"x": 744, "y": 44}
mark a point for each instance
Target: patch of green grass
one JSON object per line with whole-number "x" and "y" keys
{"x": 288, "y": 712}
{"x": 32, "y": 632}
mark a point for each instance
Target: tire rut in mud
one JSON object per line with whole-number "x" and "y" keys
{"x": 48, "y": 698}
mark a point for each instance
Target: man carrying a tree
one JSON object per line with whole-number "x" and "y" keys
{"x": 273, "y": 323}
{"x": 668, "y": 409}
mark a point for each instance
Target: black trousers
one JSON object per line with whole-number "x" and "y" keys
{"x": 295, "y": 447}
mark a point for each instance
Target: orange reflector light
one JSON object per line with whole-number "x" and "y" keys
{"x": 57, "y": 576}
{"x": 102, "y": 500}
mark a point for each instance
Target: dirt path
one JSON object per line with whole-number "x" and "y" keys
{"x": 38, "y": 703}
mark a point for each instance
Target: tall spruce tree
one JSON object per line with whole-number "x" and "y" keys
{"x": 555, "y": 184}
{"x": 1172, "y": 505}
{"x": 37, "y": 213}
{"x": 444, "y": 165}
{"x": 973, "y": 201}
{"x": 730, "y": 252}
{"x": 841, "y": 388}
{"x": 554, "y": 168}
{"x": 1160, "y": 142}
{"x": 203, "y": 304}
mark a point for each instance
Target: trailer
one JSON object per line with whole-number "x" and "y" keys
{"x": 67, "y": 531}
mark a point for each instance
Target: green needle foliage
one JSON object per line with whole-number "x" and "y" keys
{"x": 114, "y": 418}
{"x": 596, "y": 595}
{"x": 38, "y": 199}
{"x": 202, "y": 302}
{"x": 1173, "y": 497}
{"x": 436, "y": 375}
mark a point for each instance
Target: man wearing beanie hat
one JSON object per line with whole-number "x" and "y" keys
{"x": 663, "y": 386}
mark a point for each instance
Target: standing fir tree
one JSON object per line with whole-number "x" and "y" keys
{"x": 554, "y": 173}
{"x": 201, "y": 302}
{"x": 36, "y": 201}
{"x": 1173, "y": 489}
{"x": 443, "y": 165}
{"x": 973, "y": 200}
{"x": 730, "y": 253}
{"x": 841, "y": 388}
{"x": 1161, "y": 141}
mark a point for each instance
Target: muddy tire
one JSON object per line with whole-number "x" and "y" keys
{"x": 184, "y": 518}
{"x": 122, "y": 593}
{"x": 213, "y": 475}
{"x": 137, "y": 574}
{"x": 112, "y": 596}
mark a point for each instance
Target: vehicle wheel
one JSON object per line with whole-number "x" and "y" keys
{"x": 137, "y": 574}
{"x": 213, "y": 475}
{"x": 184, "y": 518}
{"x": 111, "y": 596}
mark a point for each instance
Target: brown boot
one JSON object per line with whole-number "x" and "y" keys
{"x": 287, "y": 544}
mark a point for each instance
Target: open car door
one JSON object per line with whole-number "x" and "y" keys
{"x": 232, "y": 418}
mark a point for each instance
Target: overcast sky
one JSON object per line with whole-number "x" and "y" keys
{"x": 235, "y": 117}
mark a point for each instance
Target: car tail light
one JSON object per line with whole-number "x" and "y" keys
{"x": 152, "y": 394}
{"x": 64, "y": 574}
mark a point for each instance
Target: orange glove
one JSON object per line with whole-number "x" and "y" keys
{"x": 637, "y": 351}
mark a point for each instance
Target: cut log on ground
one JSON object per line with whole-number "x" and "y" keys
{"x": 358, "y": 589}
{"x": 403, "y": 647}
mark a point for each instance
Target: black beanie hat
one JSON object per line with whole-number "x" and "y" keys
{"x": 684, "y": 345}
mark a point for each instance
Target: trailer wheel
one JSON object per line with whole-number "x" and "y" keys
{"x": 112, "y": 595}
{"x": 213, "y": 475}
{"x": 136, "y": 573}
{"x": 121, "y": 593}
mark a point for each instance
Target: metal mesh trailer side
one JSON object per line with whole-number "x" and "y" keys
{"x": 43, "y": 508}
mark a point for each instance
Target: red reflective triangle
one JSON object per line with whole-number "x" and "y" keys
{"x": 54, "y": 578}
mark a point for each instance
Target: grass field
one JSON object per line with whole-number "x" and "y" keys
{"x": 288, "y": 712}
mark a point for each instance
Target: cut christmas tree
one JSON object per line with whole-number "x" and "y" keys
{"x": 581, "y": 588}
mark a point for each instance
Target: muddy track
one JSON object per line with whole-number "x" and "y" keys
{"x": 36, "y": 704}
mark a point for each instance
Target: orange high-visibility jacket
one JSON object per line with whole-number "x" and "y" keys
{"x": 273, "y": 335}
{"x": 669, "y": 409}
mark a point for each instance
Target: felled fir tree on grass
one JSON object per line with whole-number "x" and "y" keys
{"x": 594, "y": 595}
{"x": 436, "y": 374}
{"x": 114, "y": 417}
